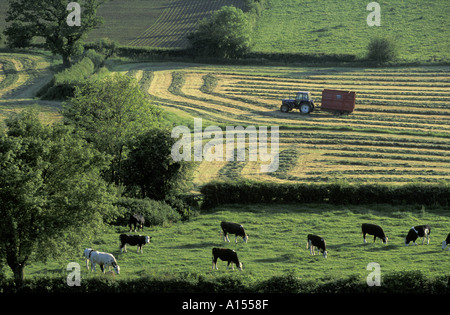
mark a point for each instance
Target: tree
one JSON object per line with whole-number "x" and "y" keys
{"x": 51, "y": 192}
{"x": 226, "y": 34}
{"x": 109, "y": 113}
{"x": 382, "y": 50}
{"x": 151, "y": 167}
{"x": 48, "y": 19}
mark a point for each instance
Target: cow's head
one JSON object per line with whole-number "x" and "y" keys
{"x": 240, "y": 266}
{"x": 246, "y": 238}
{"x": 444, "y": 244}
{"x": 86, "y": 252}
{"x": 148, "y": 239}
{"x": 116, "y": 267}
{"x": 325, "y": 254}
{"x": 385, "y": 239}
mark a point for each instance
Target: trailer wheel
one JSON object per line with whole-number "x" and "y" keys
{"x": 284, "y": 108}
{"x": 305, "y": 109}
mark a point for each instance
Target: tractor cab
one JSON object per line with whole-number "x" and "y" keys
{"x": 302, "y": 96}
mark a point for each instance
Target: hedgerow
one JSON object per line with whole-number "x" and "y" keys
{"x": 245, "y": 191}
{"x": 63, "y": 83}
{"x": 409, "y": 282}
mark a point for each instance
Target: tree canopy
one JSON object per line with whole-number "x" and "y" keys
{"x": 151, "y": 167}
{"x": 226, "y": 34}
{"x": 109, "y": 113}
{"x": 52, "y": 195}
{"x": 48, "y": 19}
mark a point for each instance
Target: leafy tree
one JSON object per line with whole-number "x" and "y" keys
{"x": 109, "y": 113}
{"x": 48, "y": 19}
{"x": 151, "y": 167}
{"x": 52, "y": 195}
{"x": 226, "y": 34}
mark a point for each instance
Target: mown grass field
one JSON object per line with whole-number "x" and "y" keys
{"x": 21, "y": 76}
{"x": 399, "y": 132}
{"x": 277, "y": 244}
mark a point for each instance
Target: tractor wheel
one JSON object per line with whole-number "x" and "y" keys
{"x": 284, "y": 108}
{"x": 305, "y": 109}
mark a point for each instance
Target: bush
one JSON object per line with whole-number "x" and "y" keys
{"x": 382, "y": 50}
{"x": 155, "y": 212}
{"x": 63, "y": 84}
{"x": 97, "y": 58}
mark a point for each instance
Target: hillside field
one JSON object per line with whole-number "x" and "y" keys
{"x": 277, "y": 244}
{"x": 286, "y": 26}
{"x": 399, "y": 132}
{"x": 340, "y": 27}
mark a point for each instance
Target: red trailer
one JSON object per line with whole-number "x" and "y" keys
{"x": 338, "y": 101}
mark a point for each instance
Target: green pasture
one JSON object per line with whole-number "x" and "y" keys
{"x": 340, "y": 27}
{"x": 277, "y": 244}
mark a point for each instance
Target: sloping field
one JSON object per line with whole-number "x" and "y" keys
{"x": 399, "y": 133}
{"x": 21, "y": 76}
{"x": 178, "y": 19}
{"x": 340, "y": 27}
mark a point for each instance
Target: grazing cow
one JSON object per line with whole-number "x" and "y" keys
{"x": 374, "y": 230}
{"x": 136, "y": 219}
{"x": 233, "y": 228}
{"x": 446, "y": 242}
{"x": 416, "y": 231}
{"x": 226, "y": 254}
{"x": 104, "y": 260}
{"x": 87, "y": 255}
{"x": 316, "y": 241}
{"x": 133, "y": 240}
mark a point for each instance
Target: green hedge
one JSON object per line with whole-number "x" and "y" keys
{"x": 155, "y": 212}
{"x": 409, "y": 282}
{"x": 63, "y": 83}
{"x": 245, "y": 191}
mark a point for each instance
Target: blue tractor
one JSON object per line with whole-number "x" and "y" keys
{"x": 302, "y": 102}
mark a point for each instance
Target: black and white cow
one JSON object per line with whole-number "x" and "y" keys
{"x": 416, "y": 231}
{"x": 316, "y": 241}
{"x": 226, "y": 254}
{"x": 375, "y": 230}
{"x": 446, "y": 242}
{"x": 233, "y": 228}
{"x": 136, "y": 220}
{"x": 133, "y": 240}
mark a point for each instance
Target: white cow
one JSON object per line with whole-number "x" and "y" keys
{"x": 87, "y": 255}
{"x": 104, "y": 260}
